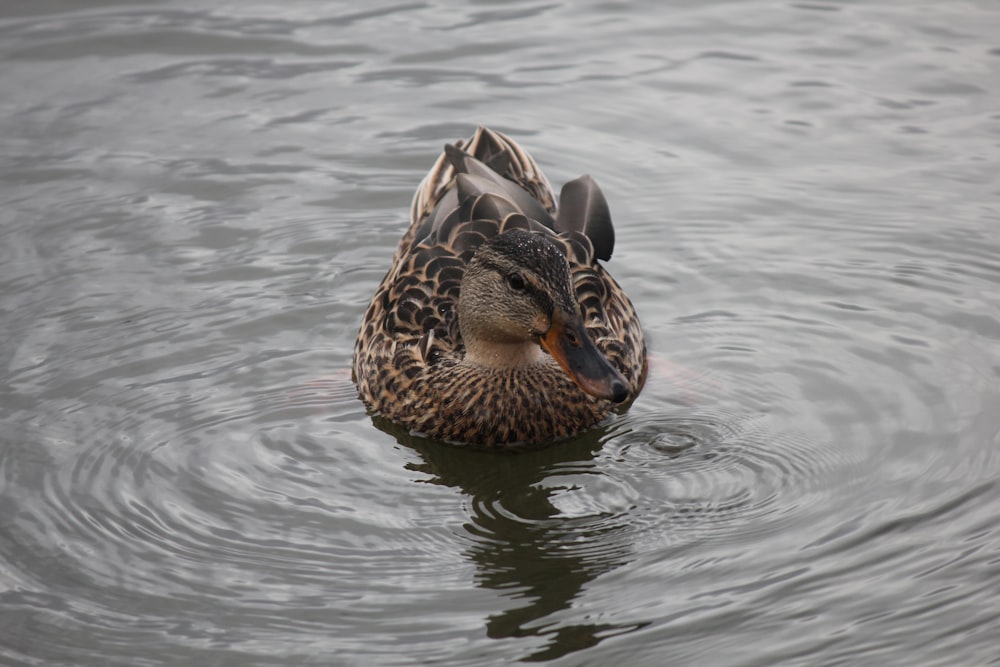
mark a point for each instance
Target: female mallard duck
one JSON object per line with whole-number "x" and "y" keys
{"x": 495, "y": 323}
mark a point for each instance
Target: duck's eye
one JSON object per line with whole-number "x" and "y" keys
{"x": 516, "y": 282}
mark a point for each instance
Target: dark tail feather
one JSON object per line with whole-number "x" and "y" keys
{"x": 583, "y": 208}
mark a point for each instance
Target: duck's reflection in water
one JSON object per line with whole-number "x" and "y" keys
{"x": 524, "y": 545}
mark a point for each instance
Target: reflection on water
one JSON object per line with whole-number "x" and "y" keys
{"x": 545, "y": 523}
{"x": 198, "y": 200}
{"x": 523, "y": 545}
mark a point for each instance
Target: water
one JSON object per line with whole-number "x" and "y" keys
{"x": 198, "y": 200}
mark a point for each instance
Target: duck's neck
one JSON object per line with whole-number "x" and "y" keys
{"x": 503, "y": 355}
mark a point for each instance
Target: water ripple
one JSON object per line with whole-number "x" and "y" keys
{"x": 200, "y": 201}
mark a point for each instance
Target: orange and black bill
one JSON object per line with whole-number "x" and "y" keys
{"x": 569, "y": 344}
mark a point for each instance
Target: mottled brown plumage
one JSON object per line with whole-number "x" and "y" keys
{"x": 495, "y": 323}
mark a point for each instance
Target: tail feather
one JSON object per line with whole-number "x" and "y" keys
{"x": 491, "y": 171}
{"x": 583, "y": 208}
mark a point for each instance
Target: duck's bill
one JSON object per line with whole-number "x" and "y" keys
{"x": 569, "y": 344}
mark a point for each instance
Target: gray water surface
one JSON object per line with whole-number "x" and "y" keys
{"x": 197, "y": 201}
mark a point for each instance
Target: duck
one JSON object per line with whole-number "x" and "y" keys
{"x": 496, "y": 324}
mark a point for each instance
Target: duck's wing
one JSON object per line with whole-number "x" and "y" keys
{"x": 488, "y": 163}
{"x": 499, "y": 153}
{"x": 497, "y": 164}
{"x": 494, "y": 163}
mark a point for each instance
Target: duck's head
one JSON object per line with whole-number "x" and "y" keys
{"x": 516, "y": 299}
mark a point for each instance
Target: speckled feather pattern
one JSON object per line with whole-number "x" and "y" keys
{"x": 409, "y": 358}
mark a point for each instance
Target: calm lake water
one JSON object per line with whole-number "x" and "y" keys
{"x": 198, "y": 199}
